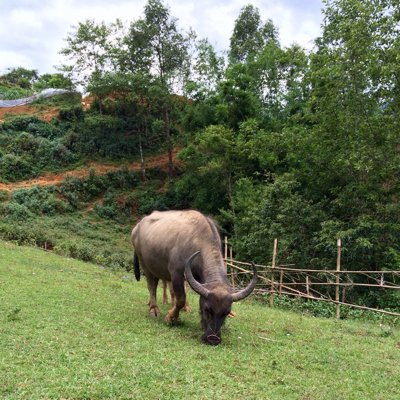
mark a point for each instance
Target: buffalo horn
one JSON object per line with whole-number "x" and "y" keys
{"x": 196, "y": 286}
{"x": 241, "y": 294}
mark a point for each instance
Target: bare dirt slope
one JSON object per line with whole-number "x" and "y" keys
{"x": 47, "y": 114}
{"x": 49, "y": 178}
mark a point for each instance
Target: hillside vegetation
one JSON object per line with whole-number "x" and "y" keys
{"x": 274, "y": 141}
{"x": 73, "y": 330}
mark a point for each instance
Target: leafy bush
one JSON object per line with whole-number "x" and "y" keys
{"x": 122, "y": 179}
{"x": 21, "y": 123}
{"x": 104, "y": 211}
{"x": 73, "y": 113}
{"x": 3, "y": 195}
{"x": 14, "y": 168}
{"x": 15, "y": 212}
{"x": 25, "y": 143}
{"x": 39, "y": 200}
{"x": 81, "y": 251}
{"x": 24, "y": 234}
{"x": 114, "y": 261}
{"x": 44, "y": 129}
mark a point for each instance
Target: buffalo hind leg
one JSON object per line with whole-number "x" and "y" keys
{"x": 165, "y": 295}
{"x": 178, "y": 287}
{"x": 152, "y": 282}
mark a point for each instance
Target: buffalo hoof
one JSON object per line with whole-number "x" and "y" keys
{"x": 170, "y": 319}
{"x": 154, "y": 311}
{"x": 187, "y": 309}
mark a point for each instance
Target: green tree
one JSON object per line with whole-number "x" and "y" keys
{"x": 54, "y": 81}
{"x": 250, "y": 35}
{"x": 351, "y": 157}
{"x": 88, "y": 51}
{"x": 156, "y": 48}
{"x": 206, "y": 71}
{"x": 21, "y": 76}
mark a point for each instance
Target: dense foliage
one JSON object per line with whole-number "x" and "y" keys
{"x": 278, "y": 142}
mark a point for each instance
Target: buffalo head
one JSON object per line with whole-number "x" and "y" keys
{"x": 216, "y": 300}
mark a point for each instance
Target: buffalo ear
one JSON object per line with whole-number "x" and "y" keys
{"x": 195, "y": 285}
{"x": 241, "y": 294}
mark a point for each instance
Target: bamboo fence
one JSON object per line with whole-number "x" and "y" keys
{"x": 304, "y": 283}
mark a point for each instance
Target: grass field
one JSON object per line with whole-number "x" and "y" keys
{"x": 72, "y": 330}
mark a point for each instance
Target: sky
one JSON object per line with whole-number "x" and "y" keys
{"x": 32, "y": 32}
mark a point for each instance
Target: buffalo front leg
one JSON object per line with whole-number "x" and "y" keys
{"x": 178, "y": 289}
{"x": 152, "y": 282}
{"x": 186, "y": 307}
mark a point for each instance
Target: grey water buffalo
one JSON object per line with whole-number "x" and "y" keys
{"x": 172, "y": 245}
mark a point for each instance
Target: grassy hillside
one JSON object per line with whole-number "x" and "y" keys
{"x": 73, "y": 330}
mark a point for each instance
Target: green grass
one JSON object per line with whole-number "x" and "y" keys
{"x": 72, "y": 330}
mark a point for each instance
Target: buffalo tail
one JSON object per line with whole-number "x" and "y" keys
{"x": 136, "y": 266}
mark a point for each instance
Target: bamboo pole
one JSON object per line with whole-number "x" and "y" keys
{"x": 231, "y": 261}
{"x": 342, "y": 303}
{"x": 332, "y": 271}
{"x": 341, "y": 284}
{"x": 271, "y": 297}
{"x": 280, "y": 281}
{"x": 294, "y": 292}
{"x": 337, "y": 296}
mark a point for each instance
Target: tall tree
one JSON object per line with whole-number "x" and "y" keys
{"x": 353, "y": 154}
{"x": 88, "y": 51}
{"x": 158, "y": 49}
{"x": 250, "y": 35}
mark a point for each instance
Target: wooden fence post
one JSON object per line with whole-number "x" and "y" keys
{"x": 271, "y": 296}
{"x": 337, "y": 297}
{"x": 232, "y": 269}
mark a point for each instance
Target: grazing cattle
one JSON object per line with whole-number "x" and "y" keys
{"x": 170, "y": 245}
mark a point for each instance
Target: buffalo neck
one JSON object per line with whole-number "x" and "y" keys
{"x": 213, "y": 268}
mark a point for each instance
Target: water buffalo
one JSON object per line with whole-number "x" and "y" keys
{"x": 170, "y": 245}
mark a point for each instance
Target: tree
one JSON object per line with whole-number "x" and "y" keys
{"x": 54, "y": 81}
{"x": 250, "y": 35}
{"x": 156, "y": 48}
{"x": 89, "y": 51}
{"x": 21, "y": 76}
{"x": 352, "y": 153}
{"x": 206, "y": 71}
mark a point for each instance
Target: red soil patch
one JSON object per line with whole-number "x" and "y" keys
{"x": 49, "y": 178}
{"x": 47, "y": 115}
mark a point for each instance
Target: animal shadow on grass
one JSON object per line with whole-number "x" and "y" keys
{"x": 185, "y": 327}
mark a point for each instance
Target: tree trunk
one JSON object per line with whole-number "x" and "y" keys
{"x": 142, "y": 168}
{"x": 167, "y": 132}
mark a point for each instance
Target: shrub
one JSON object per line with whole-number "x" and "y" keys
{"x": 21, "y": 123}
{"x": 81, "y": 251}
{"x": 114, "y": 261}
{"x": 122, "y": 179}
{"x": 44, "y": 129}
{"x": 104, "y": 211}
{"x": 73, "y": 113}
{"x": 24, "y": 234}
{"x": 39, "y": 200}
{"x": 15, "y": 212}
{"x": 25, "y": 143}
{"x": 14, "y": 168}
{"x": 3, "y": 195}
